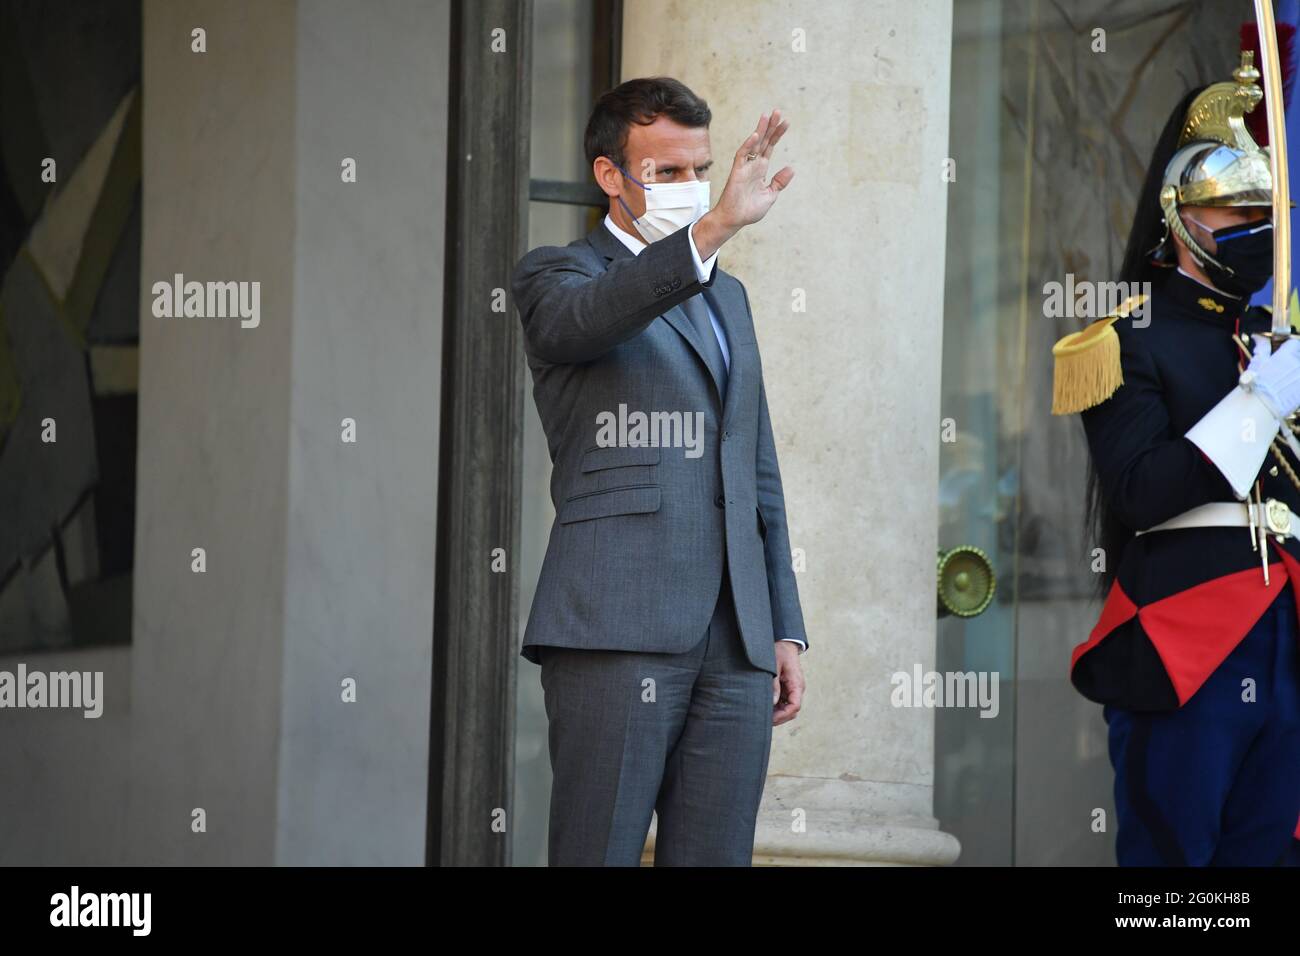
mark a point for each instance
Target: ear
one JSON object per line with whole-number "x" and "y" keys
{"x": 608, "y": 176}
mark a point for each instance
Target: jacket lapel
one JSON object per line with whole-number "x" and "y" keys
{"x": 723, "y": 298}
{"x": 728, "y": 304}
{"x": 678, "y": 319}
{"x": 606, "y": 244}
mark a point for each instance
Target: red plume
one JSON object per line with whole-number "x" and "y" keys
{"x": 1257, "y": 119}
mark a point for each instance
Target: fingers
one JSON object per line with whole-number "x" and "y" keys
{"x": 772, "y": 132}
{"x": 746, "y": 148}
{"x": 1290, "y": 345}
{"x": 788, "y": 708}
{"x": 766, "y": 135}
{"x": 763, "y": 130}
{"x": 795, "y": 696}
{"x": 753, "y": 142}
{"x": 785, "y": 712}
{"x": 1264, "y": 347}
{"x": 782, "y": 179}
{"x": 775, "y": 134}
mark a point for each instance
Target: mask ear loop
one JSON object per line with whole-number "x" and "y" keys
{"x": 635, "y": 180}
{"x": 1206, "y": 229}
{"x": 1240, "y": 230}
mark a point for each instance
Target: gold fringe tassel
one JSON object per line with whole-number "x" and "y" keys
{"x": 1088, "y": 369}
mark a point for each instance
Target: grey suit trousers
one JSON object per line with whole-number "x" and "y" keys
{"x": 684, "y": 735}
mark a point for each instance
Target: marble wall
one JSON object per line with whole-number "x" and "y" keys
{"x": 853, "y": 381}
{"x": 219, "y": 181}
{"x": 367, "y": 345}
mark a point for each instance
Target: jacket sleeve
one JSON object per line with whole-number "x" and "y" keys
{"x": 573, "y": 311}
{"x": 787, "y": 615}
{"x": 1148, "y": 472}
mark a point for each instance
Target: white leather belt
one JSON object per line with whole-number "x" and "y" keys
{"x": 1272, "y": 515}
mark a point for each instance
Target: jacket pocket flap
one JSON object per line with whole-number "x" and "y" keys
{"x": 638, "y": 499}
{"x": 598, "y": 459}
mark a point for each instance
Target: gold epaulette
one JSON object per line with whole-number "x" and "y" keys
{"x": 1088, "y": 369}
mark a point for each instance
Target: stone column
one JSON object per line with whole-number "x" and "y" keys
{"x": 319, "y": 540}
{"x": 845, "y": 277}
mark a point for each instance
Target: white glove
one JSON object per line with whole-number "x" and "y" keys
{"x": 1275, "y": 376}
{"x": 1236, "y": 433}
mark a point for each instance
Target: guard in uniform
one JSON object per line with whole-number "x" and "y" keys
{"x": 1189, "y": 416}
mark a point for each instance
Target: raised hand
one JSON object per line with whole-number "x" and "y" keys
{"x": 748, "y": 194}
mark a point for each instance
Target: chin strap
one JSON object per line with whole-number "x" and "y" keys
{"x": 1174, "y": 224}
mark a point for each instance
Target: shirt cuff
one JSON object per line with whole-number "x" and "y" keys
{"x": 702, "y": 269}
{"x": 794, "y": 640}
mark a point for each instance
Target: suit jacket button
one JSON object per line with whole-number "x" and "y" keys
{"x": 719, "y": 501}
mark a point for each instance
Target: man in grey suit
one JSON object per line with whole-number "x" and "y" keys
{"x": 666, "y": 620}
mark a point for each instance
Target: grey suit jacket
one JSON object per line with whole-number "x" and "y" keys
{"x": 643, "y": 535}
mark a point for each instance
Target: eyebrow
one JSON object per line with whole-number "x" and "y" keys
{"x": 673, "y": 169}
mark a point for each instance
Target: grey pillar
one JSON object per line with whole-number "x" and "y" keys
{"x": 475, "y": 608}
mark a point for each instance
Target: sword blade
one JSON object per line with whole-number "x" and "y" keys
{"x": 1271, "y": 72}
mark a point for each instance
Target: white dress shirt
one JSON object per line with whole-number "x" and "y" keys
{"x": 704, "y": 270}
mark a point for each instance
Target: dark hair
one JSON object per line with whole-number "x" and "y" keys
{"x": 1138, "y": 266}
{"x": 639, "y": 101}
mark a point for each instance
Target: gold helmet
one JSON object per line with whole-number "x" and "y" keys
{"x": 1218, "y": 162}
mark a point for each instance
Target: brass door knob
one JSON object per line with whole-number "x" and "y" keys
{"x": 966, "y": 581}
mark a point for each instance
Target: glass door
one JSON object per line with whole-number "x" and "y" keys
{"x": 1052, "y": 123}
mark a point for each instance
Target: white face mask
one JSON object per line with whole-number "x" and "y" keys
{"x": 669, "y": 207}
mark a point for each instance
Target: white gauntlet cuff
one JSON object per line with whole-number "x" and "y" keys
{"x": 1235, "y": 434}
